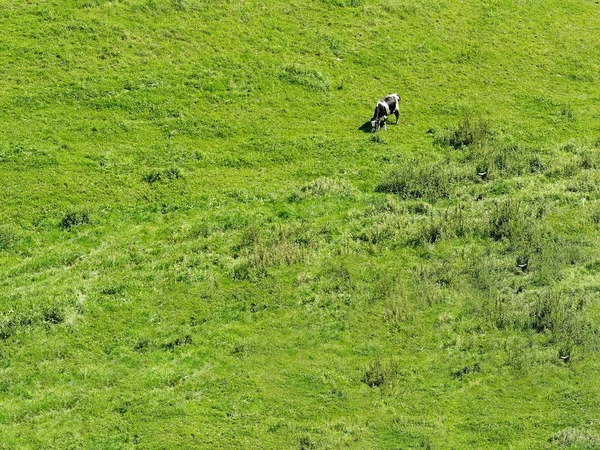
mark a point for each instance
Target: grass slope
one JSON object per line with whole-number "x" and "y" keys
{"x": 200, "y": 248}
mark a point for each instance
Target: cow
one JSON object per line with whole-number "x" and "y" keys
{"x": 386, "y": 106}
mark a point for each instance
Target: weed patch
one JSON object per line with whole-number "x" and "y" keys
{"x": 270, "y": 247}
{"x": 380, "y": 373}
{"x": 74, "y": 218}
{"x": 155, "y": 176}
{"x": 467, "y": 370}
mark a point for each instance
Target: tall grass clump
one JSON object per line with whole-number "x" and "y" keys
{"x": 467, "y": 133}
{"x": 270, "y": 247}
{"x": 155, "y": 176}
{"x": 380, "y": 373}
{"x": 506, "y": 159}
{"x": 7, "y": 237}
{"x": 430, "y": 182}
{"x": 453, "y": 222}
{"x": 74, "y": 218}
{"x": 563, "y": 317}
{"x": 532, "y": 242}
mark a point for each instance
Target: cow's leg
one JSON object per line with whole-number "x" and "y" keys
{"x": 385, "y": 123}
{"x": 397, "y": 114}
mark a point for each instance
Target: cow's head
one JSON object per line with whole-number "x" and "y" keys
{"x": 375, "y": 125}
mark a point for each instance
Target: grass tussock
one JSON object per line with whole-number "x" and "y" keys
{"x": 74, "y": 218}
{"x": 271, "y": 247}
{"x": 452, "y": 222}
{"x": 380, "y": 373}
{"x": 156, "y": 176}
{"x": 468, "y": 133}
{"x": 415, "y": 180}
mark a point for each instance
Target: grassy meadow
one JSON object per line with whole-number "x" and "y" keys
{"x": 203, "y": 246}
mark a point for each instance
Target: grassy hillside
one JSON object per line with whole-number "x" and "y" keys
{"x": 201, "y": 247}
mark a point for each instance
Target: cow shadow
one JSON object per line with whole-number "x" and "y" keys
{"x": 366, "y": 127}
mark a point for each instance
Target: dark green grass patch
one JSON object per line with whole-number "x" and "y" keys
{"x": 412, "y": 179}
{"x": 74, "y": 218}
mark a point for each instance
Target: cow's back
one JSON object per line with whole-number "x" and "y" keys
{"x": 392, "y": 101}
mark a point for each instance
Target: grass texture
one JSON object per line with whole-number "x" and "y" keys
{"x": 202, "y": 247}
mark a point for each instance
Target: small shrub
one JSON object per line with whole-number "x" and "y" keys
{"x": 173, "y": 173}
{"x": 484, "y": 270}
{"x": 8, "y": 327}
{"x": 142, "y": 345}
{"x": 550, "y": 258}
{"x": 344, "y": 3}
{"x": 385, "y": 228}
{"x": 544, "y": 313}
{"x": 585, "y": 182}
{"x": 432, "y": 232}
{"x": 306, "y": 443}
{"x": 113, "y": 290}
{"x": 74, "y": 218}
{"x": 517, "y": 356}
{"x": 242, "y": 271}
{"x": 588, "y": 159}
{"x": 336, "y": 278}
{"x": 152, "y": 177}
{"x": 383, "y": 287}
{"x": 431, "y": 282}
{"x": 565, "y": 318}
{"x": 378, "y": 138}
{"x": 271, "y": 247}
{"x": 419, "y": 208}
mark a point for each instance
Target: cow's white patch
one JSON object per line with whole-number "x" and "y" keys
{"x": 385, "y": 106}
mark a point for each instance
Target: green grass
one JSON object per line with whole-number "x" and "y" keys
{"x": 200, "y": 247}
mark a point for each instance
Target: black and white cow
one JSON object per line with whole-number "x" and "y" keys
{"x": 386, "y": 106}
